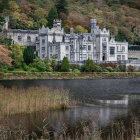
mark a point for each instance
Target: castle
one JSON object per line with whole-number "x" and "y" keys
{"x": 97, "y": 45}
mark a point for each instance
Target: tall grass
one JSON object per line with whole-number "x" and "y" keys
{"x": 15, "y": 101}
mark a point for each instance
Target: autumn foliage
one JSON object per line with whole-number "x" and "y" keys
{"x": 4, "y": 56}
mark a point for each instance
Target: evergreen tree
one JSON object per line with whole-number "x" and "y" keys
{"x": 51, "y": 16}
{"x": 61, "y": 7}
{"x": 65, "y": 66}
{"x": 28, "y": 55}
{"x": 4, "y": 5}
{"x": 89, "y": 67}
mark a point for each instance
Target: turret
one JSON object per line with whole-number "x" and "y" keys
{"x": 57, "y": 24}
{"x": 5, "y": 26}
{"x": 93, "y": 23}
{"x": 71, "y": 30}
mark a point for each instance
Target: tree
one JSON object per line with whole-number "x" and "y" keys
{"x": 54, "y": 62}
{"x": 39, "y": 64}
{"x": 51, "y": 16}
{"x": 4, "y": 56}
{"x": 4, "y": 5}
{"x": 89, "y": 66}
{"x": 65, "y": 66}
{"x": 17, "y": 54}
{"x": 48, "y": 64}
{"x": 28, "y": 55}
{"x": 80, "y": 29}
{"x": 2, "y": 21}
{"x": 61, "y": 7}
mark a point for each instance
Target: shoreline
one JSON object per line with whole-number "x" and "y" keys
{"x": 67, "y": 75}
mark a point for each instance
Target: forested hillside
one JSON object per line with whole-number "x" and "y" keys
{"x": 122, "y": 17}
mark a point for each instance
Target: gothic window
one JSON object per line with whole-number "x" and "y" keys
{"x": 43, "y": 48}
{"x": 50, "y": 48}
{"x": 67, "y": 55}
{"x": 50, "y": 56}
{"x": 123, "y": 57}
{"x": 89, "y": 47}
{"x": 104, "y": 39}
{"x": 123, "y": 49}
{"x": 67, "y": 48}
{"x": 19, "y": 38}
{"x": 28, "y": 38}
{"x": 90, "y": 56}
{"x": 89, "y": 38}
{"x": 84, "y": 47}
{"x": 43, "y": 55}
{"x": 112, "y": 50}
{"x": 43, "y": 41}
{"x": 118, "y": 57}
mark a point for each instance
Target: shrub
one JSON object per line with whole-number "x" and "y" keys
{"x": 131, "y": 68}
{"x": 74, "y": 66}
{"x": 76, "y": 71}
{"x": 11, "y": 68}
{"x": 33, "y": 70}
{"x": 110, "y": 69}
{"x": 122, "y": 67}
{"x": 5, "y": 69}
{"x": 116, "y": 70}
{"x": 98, "y": 69}
{"x": 25, "y": 67}
{"x": 105, "y": 70}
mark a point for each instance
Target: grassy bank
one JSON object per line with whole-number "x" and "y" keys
{"x": 15, "y": 101}
{"x": 67, "y": 75}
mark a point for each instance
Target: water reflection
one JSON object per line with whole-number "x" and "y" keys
{"x": 102, "y": 101}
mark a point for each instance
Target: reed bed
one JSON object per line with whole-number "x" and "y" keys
{"x": 33, "y": 99}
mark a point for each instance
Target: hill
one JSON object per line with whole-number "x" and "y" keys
{"x": 121, "y": 17}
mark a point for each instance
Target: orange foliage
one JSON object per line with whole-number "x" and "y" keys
{"x": 4, "y": 55}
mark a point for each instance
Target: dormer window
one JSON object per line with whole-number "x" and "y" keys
{"x": 28, "y": 38}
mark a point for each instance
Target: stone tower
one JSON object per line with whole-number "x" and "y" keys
{"x": 5, "y": 26}
{"x": 93, "y": 23}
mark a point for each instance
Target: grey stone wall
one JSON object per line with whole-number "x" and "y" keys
{"x": 133, "y": 54}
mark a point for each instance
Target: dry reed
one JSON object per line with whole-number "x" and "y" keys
{"x": 15, "y": 101}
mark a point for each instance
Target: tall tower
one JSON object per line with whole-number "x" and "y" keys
{"x": 93, "y": 23}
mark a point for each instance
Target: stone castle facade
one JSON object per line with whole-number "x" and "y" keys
{"x": 97, "y": 45}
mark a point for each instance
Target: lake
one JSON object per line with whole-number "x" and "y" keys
{"x": 101, "y": 100}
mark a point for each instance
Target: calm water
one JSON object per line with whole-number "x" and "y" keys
{"x": 102, "y": 100}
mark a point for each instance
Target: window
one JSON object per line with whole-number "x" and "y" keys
{"x": 43, "y": 55}
{"x": 19, "y": 38}
{"x": 112, "y": 50}
{"x": 43, "y": 48}
{"x": 67, "y": 55}
{"x": 50, "y": 48}
{"x": 50, "y": 56}
{"x": 123, "y": 48}
{"x": 28, "y": 38}
{"x": 118, "y": 57}
{"x": 67, "y": 48}
{"x": 89, "y": 47}
{"x": 104, "y": 39}
{"x": 90, "y": 56}
{"x": 123, "y": 57}
{"x": 84, "y": 47}
{"x": 43, "y": 41}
